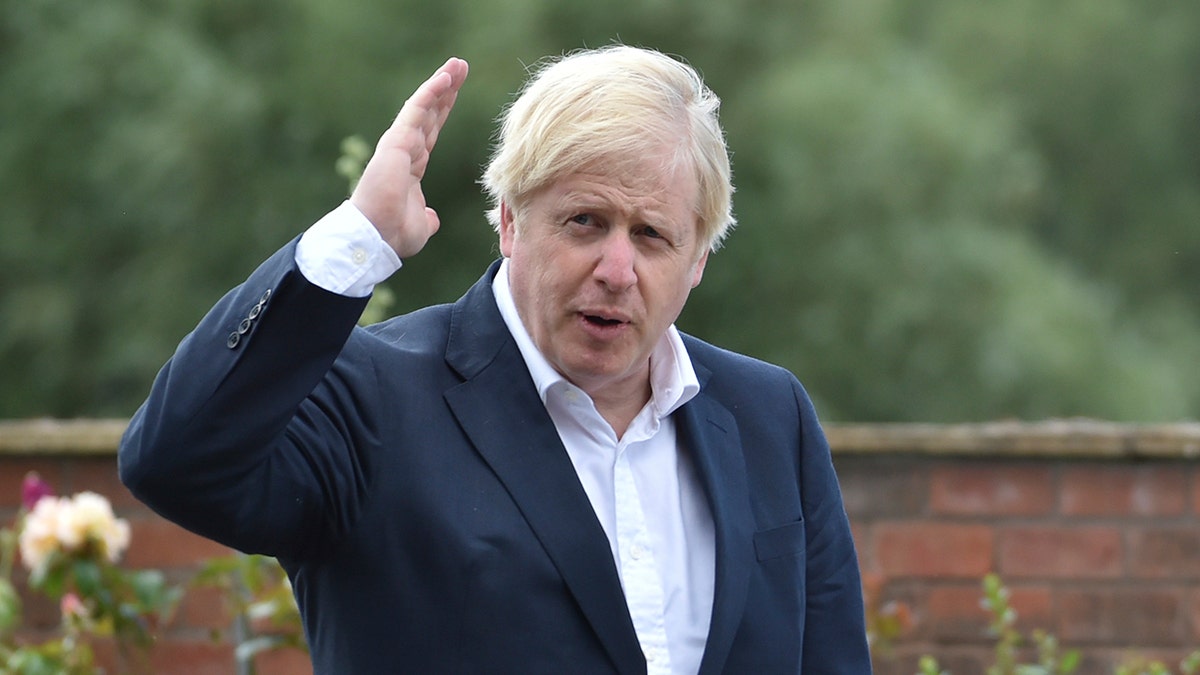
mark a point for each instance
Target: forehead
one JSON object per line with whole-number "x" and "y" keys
{"x": 648, "y": 186}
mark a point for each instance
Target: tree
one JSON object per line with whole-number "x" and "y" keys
{"x": 947, "y": 212}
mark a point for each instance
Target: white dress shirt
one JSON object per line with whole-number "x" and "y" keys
{"x": 643, "y": 486}
{"x": 344, "y": 253}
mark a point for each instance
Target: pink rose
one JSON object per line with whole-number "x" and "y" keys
{"x": 33, "y": 488}
{"x": 72, "y": 607}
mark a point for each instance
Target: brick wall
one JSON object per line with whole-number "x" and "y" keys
{"x": 79, "y": 456}
{"x": 1092, "y": 526}
{"x": 1098, "y": 542}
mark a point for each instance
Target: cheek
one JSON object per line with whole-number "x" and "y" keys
{"x": 667, "y": 303}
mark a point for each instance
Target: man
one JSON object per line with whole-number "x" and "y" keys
{"x": 544, "y": 477}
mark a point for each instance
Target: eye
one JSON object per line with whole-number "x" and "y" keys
{"x": 584, "y": 219}
{"x": 655, "y": 236}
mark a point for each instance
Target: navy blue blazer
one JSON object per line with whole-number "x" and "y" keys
{"x": 410, "y": 481}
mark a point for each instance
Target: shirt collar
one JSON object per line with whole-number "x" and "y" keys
{"x": 673, "y": 380}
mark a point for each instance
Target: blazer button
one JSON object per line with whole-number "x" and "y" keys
{"x": 244, "y": 326}
{"x": 255, "y": 311}
{"x": 265, "y": 296}
{"x": 233, "y": 340}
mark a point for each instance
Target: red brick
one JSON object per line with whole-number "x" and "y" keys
{"x": 159, "y": 543}
{"x": 873, "y": 486}
{"x": 204, "y": 608}
{"x": 1124, "y": 490}
{"x": 862, "y": 544}
{"x": 1060, "y": 552}
{"x": 166, "y": 656}
{"x": 992, "y": 489}
{"x": 192, "y": 657}
{"x": 283, "y": 662}
{"x": 1193, "y": 600}
{"x": 99, "y": 474}
{"x": 1034, "y": 606}
{"x": 956, "y": 612}
{"x": 897, "y": 660}
{"x": 1195, "y": 473}
{"x": 1165, "y": 553}
{"x": 13, "y": 470}
{"x": 918, "y": 549}
{"x": 959, "y": 660}
{"x": 39, "y": 613}
{"x": 1131, "y": 617}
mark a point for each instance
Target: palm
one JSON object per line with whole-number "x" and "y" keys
{"x": 389, "y": 193}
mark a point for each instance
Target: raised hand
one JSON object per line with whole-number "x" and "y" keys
{"x": 389, "y": 192}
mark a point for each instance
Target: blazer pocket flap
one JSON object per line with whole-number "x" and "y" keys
{"x": 780, "y": 542}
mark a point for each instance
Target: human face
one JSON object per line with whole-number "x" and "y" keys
{"x": 601, "y": 263}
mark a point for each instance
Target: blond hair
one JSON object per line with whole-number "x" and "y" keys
{"x": 609, "y": 106}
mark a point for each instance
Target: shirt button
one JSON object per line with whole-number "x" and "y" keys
{"x": 359, "y": 256}
{"x": 650, "y": 655}
{"x": 637, "y": 552}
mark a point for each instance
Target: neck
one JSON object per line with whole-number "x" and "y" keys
{"x": 618, "y": 408}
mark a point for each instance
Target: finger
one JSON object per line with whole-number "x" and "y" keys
{"x": 457, "y": 69}
{"x": 430, "y": 105}
{"x": 435, "y": 96}
{"x": 439, "y": 109}
{"x": 435, "y": 129}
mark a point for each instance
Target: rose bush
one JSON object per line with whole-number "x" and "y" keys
{"x": 71, "y": 525}
{"x": 71, "y": 547}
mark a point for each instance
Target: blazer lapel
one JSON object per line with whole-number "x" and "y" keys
{"x": 500, "y": 410}
{"x": 710, "y": 433}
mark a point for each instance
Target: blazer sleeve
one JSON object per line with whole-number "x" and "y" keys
{"x": 253, "y": 433}
{"x": 835, "y": 626}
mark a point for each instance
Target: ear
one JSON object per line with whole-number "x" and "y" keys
{"x": 508, "y": 232}
{"x": 698, "y": 273}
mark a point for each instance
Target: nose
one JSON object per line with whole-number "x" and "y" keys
{"x": 614, "y": 269}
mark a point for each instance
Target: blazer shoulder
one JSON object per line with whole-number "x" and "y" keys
{"x": 422, "y": 330}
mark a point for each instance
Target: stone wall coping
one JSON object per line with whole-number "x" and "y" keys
{"x": 46, "y": 436}
{"x": 1050, "y": 439}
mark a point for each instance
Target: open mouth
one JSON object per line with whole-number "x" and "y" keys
{"x": 601, "y": 321}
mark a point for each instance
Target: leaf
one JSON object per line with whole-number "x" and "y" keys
{"x": 88, "y": 578}
{"x": 1070, "y": 661}
{"x": 149, "y": 587}
{"x": 10, "y": 606}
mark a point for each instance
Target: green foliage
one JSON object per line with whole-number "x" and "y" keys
{"x": 355, "y": 154}
{"x": 257, "y": 592}
{"x": 947, "y": 212}
{"x": 98, "y": 600}
{"x": 887, "y": 621}
{"x": 1050, "y": 659}
{"x": 1141, "y": 666}
{"x": 927, "y": 665}
{"x": 1009, "y": 640}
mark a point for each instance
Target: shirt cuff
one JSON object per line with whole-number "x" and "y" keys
{"x": 344, "y": 254}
